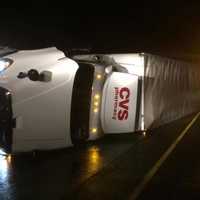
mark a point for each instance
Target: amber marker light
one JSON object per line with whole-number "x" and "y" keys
{"x": 94, "y": 130}
{"x": 95, "y": 110}
{"x": 96, "y": 103}
{"x": 144, "y": 133}
{"x": 99, "y": 76}
{"x": 96, "y": 96}
{"x": 9, "y": 158}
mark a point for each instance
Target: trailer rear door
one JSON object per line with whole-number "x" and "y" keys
{"x": 119, "y": 103}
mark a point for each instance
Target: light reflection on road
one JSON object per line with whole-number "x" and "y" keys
{"x": 95, "y": 160}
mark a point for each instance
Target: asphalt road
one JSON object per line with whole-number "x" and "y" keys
{"x": 179, "y": 176}
{"x": 110, "y": 168}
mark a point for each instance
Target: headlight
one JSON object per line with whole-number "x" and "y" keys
{"x": 5, "y": 63}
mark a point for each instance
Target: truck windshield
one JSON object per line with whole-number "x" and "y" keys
{"x": 81, "y": 99}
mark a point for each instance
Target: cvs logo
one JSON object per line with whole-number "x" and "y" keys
{"x": 124, "y": 94}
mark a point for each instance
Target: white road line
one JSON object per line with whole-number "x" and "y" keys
{"x": 140, "y": 187}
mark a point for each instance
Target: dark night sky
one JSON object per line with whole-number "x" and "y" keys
{"x": 165, "y": 28}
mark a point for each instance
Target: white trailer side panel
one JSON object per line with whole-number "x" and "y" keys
{"x": 171, "y": 90}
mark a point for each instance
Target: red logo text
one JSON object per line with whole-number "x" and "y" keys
{"x": 121, "y": 103}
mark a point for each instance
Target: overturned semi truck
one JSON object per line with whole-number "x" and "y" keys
{"x": 49, "y": 101}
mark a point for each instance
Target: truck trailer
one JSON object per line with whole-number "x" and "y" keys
{"x": 50, "y": 101}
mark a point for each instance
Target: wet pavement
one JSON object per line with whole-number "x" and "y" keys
{"x": 58, "y": 174}
{"x": 109, "y": 168}
{"x": 179, "y": 176}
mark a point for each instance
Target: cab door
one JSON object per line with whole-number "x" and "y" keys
{"x": 119, "y": 103}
